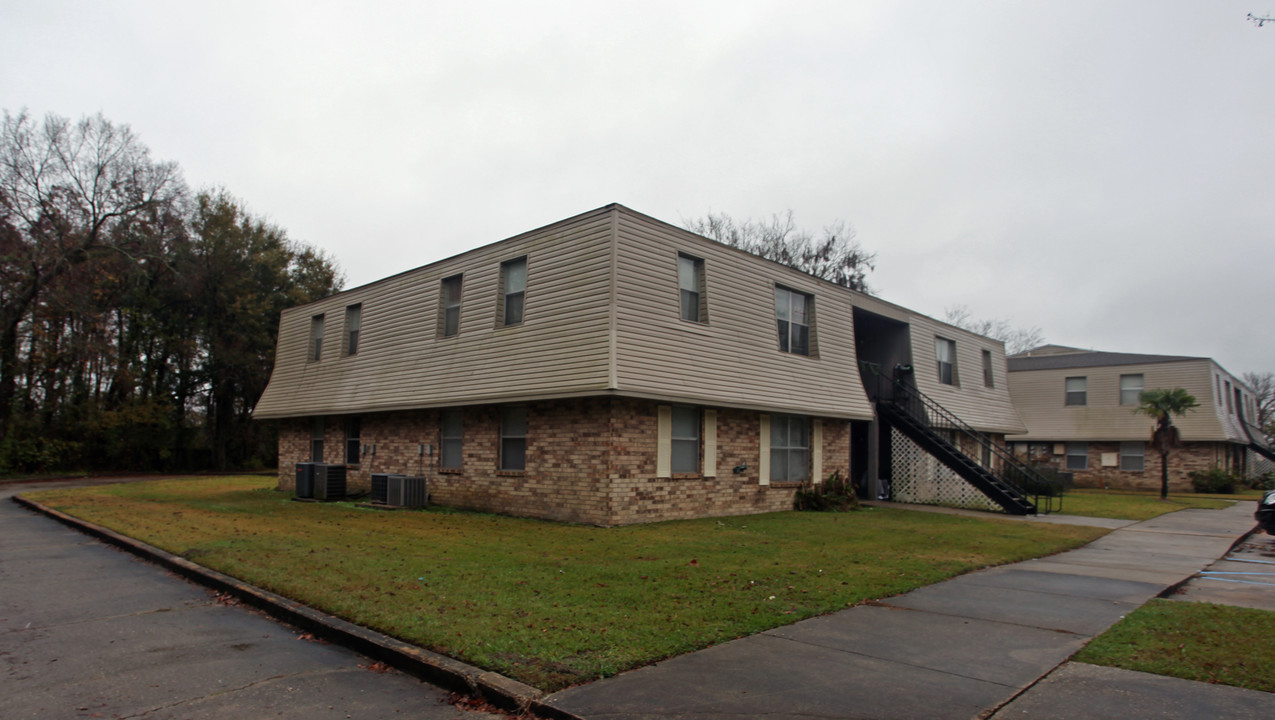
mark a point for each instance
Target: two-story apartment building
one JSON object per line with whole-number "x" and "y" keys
{"x": 609, "y": 369}
{"x": 1079, "y": 406}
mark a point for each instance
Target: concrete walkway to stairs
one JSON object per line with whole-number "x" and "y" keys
{"x": 963, "y": 648}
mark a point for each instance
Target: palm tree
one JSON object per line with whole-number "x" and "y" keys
{"x": 1163, "y": 405}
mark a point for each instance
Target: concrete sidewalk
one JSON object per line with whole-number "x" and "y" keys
{"x": 958, "y": 649}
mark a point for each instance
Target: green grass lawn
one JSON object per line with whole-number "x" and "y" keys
{"x": 1194, "y": 641}
{"x": 547, "y": 603}
{"x": 1140, "y": 505}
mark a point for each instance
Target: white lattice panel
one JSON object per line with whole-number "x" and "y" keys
{"x": 920, "y": 478}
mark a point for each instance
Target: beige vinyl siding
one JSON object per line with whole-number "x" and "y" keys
{"x": 733, "y": 360}
{"x": 562, "y": 348}
{"x": 983, "y": 408}
{"x": 1039, "y": 394}
{"x": 988, "y": 409}
{"x": 1230, "y": 420}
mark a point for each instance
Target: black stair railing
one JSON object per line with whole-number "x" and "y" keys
{"x": 1008, "y": 472}
{"x": 1257, "y": 440}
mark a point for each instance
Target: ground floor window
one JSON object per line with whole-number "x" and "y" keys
{"x": 452, "y": 438}
{"x": 1133, "y": 456}
{"x": 789, "y": 448}
{"x": 1077, "y": 456}
{"x": 685, "y": 439}
{"x": 316, "y": 440}
{"x": 513, "y": 437}
{"x": 353, "y": 428}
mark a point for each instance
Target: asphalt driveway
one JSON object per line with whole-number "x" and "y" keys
{"x": 90, "y": 631}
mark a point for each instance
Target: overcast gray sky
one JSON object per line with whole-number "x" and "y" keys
{"x": 1103, "y": 170}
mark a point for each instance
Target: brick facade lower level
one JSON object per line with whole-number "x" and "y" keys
{"x": 588, "y": 460}
{"x": 1185, "y": 459}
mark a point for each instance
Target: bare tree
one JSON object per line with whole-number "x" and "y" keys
{"x": 1017, "y": 339}
{"x": 66, "y": 190}
{"x": 1263, "y": 386}
{"x": 1260, "y": 20}
{"x": 834, "y": 255}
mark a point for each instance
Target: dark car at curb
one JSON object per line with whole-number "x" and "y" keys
{"x": 1265, "y": 514}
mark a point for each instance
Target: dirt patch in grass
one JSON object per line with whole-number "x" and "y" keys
{"x": 547, "y": 603}
{"x": 1194, "y": 641}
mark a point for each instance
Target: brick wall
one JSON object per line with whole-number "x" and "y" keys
{"x": 589, "y": 460}
{"x": 1189, "y": 457}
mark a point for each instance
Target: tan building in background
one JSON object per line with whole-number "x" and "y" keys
{"x": 1078, "y": 406}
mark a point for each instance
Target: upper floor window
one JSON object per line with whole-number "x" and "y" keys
{"x": 945, "y": 354}
{"x": 690, "y": 280}
{"x": 792, "y": 313}
{"x": 452, "y": 434}
{"x": 1229, "y": 407}
{"x": 685, "y": 439}
{"x": 988, "y": 379}
{"x": 789, "y": 448}
{"x": 450, "y": 303}
{"x": 316, "y": 338}
{"x": 513, "y": 290}
{"x": 1077, "y": 391}
{"x": 353, "y": 318}
{"x": 353, "y": 429}
{"x": 1218, "y": 378}
{"x": 1130, "y": 389}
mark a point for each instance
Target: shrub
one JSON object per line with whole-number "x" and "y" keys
{"x": 833, "y": 493}
{"x": 1265, "y": 481}
{"x": 1215, "y": 480}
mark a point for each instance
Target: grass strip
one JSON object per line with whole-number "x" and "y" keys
{"x": 1133, "y": 505}
{"x": 547, "y": 603}
{"x": 1193, "y": 641}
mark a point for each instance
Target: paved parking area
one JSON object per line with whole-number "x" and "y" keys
{"x": 1244, "y": 577}
{"x": 90, "y": 631}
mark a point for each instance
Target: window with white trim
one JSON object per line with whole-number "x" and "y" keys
{"x": 690, "y": 283}
{"x": 449, "y": 302}
{"x": 1133, "y": 456}
{"x": 789, "y": 448}
{"x": 1077, "y": 391}
{"x": 792, "y": 315}
{"x": 989, "y": 379}
{"x": 945, "y": 354}
{"x": 1077, "y": 456}
{"x": 1131, "y": 389}
{"x": 316, "y": 338}
{"x": 686, "y": 439}
{"x": 513, "y": 290}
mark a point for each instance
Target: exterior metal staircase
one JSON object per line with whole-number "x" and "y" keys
{"x": 1257, "y": 440}
{"x": 936, "y": 430}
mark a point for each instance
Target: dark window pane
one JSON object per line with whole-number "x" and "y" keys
{"x": 690, "y": 306}
{"x": 779, "y": 466}
{"x": 801, "y": 340}
{"x": 513, "y": 309}
{"x": 451, "y": 454}
{"x": 513, "y": 454}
